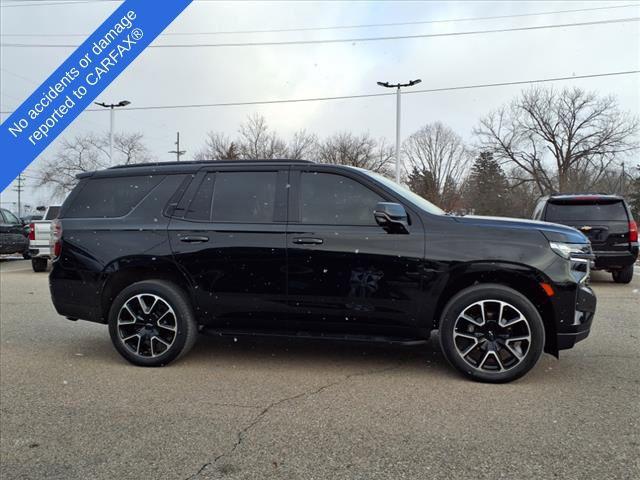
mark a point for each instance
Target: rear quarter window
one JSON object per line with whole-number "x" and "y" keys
{"x": 52, "y": 213}
{"x": 586, "y": 212}
{"x": 110, "y": 197}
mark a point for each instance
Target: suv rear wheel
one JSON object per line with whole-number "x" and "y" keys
{"x": 39, "y": 264}
{"x": 491, "y": 333}
{"x": 151, "y": 323}
{"x": 625, "y": 275}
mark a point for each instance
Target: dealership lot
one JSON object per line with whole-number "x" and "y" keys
{"x": 71, "y": 407}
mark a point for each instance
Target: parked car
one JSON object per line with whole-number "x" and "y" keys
{"x": 26, "y": 221}
{"x": 40, "y": 239}
{"x": 291, "y": 248}
{"x": 606, "y": 220}
{"x": 12, "y": 236}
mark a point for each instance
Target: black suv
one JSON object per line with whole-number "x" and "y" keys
{"x": 606, "y": 220}
{"x": 159, "y": 252}
{"x": 13, "y": 238}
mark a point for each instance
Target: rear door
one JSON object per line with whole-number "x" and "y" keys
{"x": 603, "y": 221}
{"x": 228, "y": 234}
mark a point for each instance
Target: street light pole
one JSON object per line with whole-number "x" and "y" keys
{"x": 112, "y": 106}
{"x": 111, "y": 133}
{"x": 398, "y": 117}
{"x": 398, "y": 86}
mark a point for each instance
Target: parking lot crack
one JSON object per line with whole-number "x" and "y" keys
{"x": 242, "y": 434}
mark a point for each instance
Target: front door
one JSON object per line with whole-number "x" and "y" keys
{"x": 228, "y": 235}
{"x": 346, "y": 273}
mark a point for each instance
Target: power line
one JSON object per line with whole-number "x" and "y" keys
{"x": 370, "y": 95}
{"x": 350, "y": 40}
{"x": 341, "y": 27}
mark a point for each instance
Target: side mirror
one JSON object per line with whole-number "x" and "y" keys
{"x": 392, "y": 217}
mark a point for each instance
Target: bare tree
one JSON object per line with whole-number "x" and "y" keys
{"x": 356, "y": 150}
{"x": 302, "y": 146}
{"x": 218, "y": 147}
{"x": 74, "y": 156}
{"x": 438, "y": 161}
{"x": 258, "y": 142}
{"x": 560, "y": 140}
{"x": 131, "y": 148}
{"x": 128, "y": 148}
{"x": 85, "y": 153}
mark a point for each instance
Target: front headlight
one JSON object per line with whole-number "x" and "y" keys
{"x": 566, "y": 250}
{"x": 579, "y": 255}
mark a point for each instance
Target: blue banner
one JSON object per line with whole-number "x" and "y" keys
{"x": 80, "y": 79}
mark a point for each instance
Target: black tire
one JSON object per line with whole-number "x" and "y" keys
{"x": 508, "y": 359}
{"x": 624, "y": 275}
{"x": 39, "y": 264}
{"x": 148, "y": 325}
{"x": 26, "y": 255}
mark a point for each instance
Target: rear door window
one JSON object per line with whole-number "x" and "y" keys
{"x": 200, "y": 207}
{"x": 244, "y": 197}
{"x": 110, "y": 196}
{"x": 586, "y": 212}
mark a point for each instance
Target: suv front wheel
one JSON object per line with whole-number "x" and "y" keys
{"x": 491, "y": 333}
{"x": 151, "y": 323}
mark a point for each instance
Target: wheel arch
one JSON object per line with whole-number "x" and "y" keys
{"x": 124, "y": 272}
{"x": 520, "y": 278}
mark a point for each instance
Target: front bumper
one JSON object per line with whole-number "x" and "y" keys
{"x": 585, "y": 308}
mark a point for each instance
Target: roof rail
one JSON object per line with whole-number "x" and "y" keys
{"x": 210, "y": 162}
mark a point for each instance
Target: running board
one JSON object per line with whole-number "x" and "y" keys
{"x": 407, "y": 342}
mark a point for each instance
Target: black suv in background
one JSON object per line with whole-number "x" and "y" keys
{"x": 13, "y": 238}
{"x": 159, "y": 252}
{"x": 606, "y": 220}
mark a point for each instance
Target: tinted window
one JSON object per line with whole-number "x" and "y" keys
{"x": 329, "y": 199}
{"x": 53, "y": 213}
{"x": 244, "y": 197}
{"x": 200, "y": 206}
{"x": 403, "y": 192}
{"x": 110, "y": 197}
{"x": 586, "y": 212}
{"x": 10, "y": 217}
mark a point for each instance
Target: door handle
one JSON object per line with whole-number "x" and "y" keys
{"x": 194, "y": 239}
{"x": 308, "y": 241}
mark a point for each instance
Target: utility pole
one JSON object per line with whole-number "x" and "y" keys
{"x": 122, "y": 103}
{"x": 622, "y": 181}
{"x": 19, "y": 188}
{"x": 177, "y": 151}
{"x": 398, "y": 86}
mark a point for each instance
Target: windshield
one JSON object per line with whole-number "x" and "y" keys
{"x": 404, "y": 192}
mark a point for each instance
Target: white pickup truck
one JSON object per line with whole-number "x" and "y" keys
{"x": 40, "y": 239}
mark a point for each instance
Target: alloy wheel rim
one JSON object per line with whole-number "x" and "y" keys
{"x": 147, "y": 325}
{"x": 492, "y": 336}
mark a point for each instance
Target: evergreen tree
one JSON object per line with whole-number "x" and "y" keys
{"x": 487, "y": 189}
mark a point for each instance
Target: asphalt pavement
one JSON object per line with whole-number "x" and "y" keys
{"x": 72, "y": 408}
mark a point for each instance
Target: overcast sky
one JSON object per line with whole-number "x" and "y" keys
{"x": 212, "y": 75}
